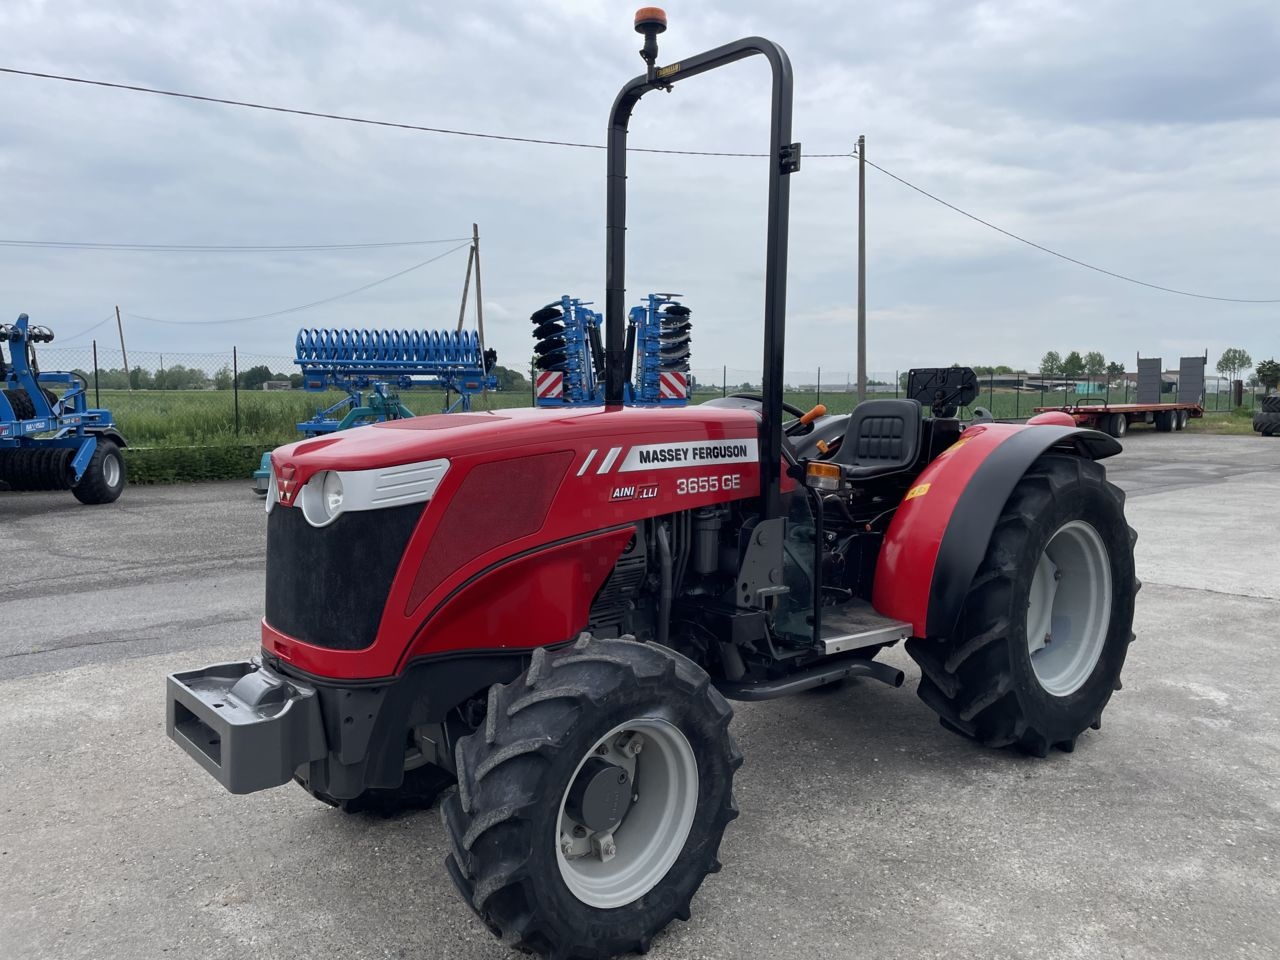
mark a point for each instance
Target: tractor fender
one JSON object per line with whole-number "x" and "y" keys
{"x": 108, "y": 433}
{"x": 940, "y": 531}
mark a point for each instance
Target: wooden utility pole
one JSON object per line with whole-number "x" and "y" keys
{"x": 862, "y": 268}
{"x": 120, "y": 330}
{"x": 475, "y": 247}
{"x": 473, "y": 259}
{"x": 466, "y": 285}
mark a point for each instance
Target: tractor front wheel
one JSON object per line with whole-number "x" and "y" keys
{"x": 1045, "y": 627}
{"x": 590, "y": 807}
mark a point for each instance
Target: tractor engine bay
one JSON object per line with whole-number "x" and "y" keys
{"x": 679, "y": 580}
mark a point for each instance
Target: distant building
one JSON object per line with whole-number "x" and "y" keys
{"x": 276, "y": 385}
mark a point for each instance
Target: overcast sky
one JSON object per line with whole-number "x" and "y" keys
{"x": 1140, "y": 136}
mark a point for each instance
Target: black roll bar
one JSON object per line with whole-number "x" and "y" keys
{"x": 784, "y": 160}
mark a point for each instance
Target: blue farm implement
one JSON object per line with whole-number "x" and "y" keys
{"x": 372, "y": 366}
{"x": 52, "y": 442}
{"x": 571, "y": 358}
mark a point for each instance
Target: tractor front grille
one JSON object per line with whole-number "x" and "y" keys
{"x": 328, "y": 586}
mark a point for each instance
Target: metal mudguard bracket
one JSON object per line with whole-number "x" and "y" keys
{"x": 250, "y": 727}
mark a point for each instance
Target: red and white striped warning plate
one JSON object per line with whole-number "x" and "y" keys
{"x": 672, "y": 386}
{"x": 549, "y": 384}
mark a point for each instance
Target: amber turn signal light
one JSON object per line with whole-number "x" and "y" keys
{"x": 822, "y": 476}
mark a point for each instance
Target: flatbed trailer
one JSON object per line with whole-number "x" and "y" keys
{"x": 1117, "y": 418}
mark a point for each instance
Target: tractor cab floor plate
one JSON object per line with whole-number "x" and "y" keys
{"x": 856, "y": 624}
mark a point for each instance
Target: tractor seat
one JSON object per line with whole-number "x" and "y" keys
{"x": 882, "y": 436}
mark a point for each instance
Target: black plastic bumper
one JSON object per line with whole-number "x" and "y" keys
{"x": 250, "y": 727}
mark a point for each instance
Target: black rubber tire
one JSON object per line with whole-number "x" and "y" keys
{"x": 1164, "y": 420}
{"x": 1119, "y": 425}
{"x": 422, "y": 787}
{"x": 502, "y": 820}
{"x": 981, "y": 682}
{"x": 23, "y": 409}
{"x": 1266, "y": 423}
{"x": 36, "y": 468}
{"x": 1271, "y": 404}
{"x": 93, "y": 487}
{"x": 1179, "y": 419}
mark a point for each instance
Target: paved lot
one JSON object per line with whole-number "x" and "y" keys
{"x": 867, "y": 830}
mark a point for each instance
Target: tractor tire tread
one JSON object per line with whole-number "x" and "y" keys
{"x": 93, "y": 488}
{"x": 968, "y": 679}
{"x": 494, "y": 859}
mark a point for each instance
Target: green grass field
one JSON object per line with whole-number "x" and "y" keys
{"x": 182, "y": 418}
{"x": 184, "y": 435}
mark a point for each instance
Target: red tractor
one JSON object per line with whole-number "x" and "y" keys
{"x": 552, "y": 607}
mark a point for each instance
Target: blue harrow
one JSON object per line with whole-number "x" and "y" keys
{"x": 52, "y": 442}
{"x": 372, "y": 366}
{"x": 570, "y": 354}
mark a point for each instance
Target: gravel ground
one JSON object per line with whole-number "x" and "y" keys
{"x": 866, "y": 828}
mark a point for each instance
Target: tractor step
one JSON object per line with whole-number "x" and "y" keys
{"x": 856, "y": 624}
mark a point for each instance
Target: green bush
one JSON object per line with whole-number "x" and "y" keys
{"x": 171, "y": 464}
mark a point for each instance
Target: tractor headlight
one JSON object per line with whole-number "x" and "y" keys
{"x": 322, "y": 498}
{"x": 330, "y": 493}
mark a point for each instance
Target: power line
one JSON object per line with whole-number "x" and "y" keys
{"x": 596, "y": 146}
{"x": 305, "y": 306}
{"x": 87, "y": 330}
{"x": 377, "y": 123}
{"x": 215, "y": 248}
{"x": 1055, "y": 253}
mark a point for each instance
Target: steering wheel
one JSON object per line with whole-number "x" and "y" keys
{"x": 804, "y": 418}
{"x": 795, "y": 411}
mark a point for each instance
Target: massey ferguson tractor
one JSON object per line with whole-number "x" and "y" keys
{"x": 556, "y": 604}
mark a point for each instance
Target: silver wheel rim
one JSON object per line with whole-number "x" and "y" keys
{"x": 1121, "y": 425}
{"x": 653, "y": 831}
{"x": 111, "y": 470}
{"x": 1069, "y": 609}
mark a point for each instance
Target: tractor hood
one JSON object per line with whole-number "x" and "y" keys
{"x": 523, "y": 505}
{"x": 509, "y": 433}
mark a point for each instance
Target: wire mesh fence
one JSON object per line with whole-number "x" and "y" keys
{"x": 1009, "y": 396}
{"x": 176, "y": 398}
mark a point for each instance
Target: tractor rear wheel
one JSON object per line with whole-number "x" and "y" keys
{"x": 104, "y": 477}
{"x": 591, "y": 806}
{"x": 1045, "y": 627}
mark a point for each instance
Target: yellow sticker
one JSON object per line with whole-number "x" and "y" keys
{"x": 954, "y": 447}
{"x": 669, "y": 70}
{"x": 919, "y": 491}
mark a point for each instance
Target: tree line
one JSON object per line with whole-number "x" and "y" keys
{"x": 1092, "y": 365}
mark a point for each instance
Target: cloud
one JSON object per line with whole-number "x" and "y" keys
{"x": 1137, "y": 136}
